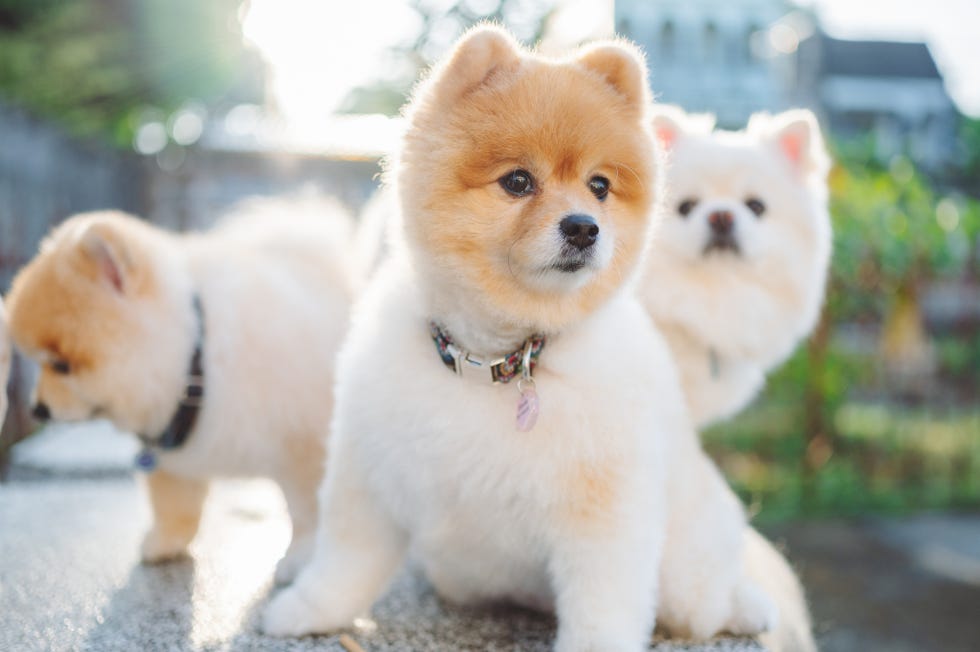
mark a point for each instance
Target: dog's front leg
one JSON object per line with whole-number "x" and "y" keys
{"x": 357, "y": 550}
{"x": 704, "y": 587}
{"x": 177, "y": 503}
{"x": 604, "y": 572}
{"x": 299, "y": 487}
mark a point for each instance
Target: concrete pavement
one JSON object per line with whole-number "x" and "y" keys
{"x": 70, "y": 578}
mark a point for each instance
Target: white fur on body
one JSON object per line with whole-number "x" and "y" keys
{"x": 729, "y": 319}
{"x": 424, "y": 461}
{"x": 275, "y": 293}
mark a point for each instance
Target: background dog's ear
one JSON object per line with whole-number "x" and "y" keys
{"x": 796, "y": 134}
{"x": 105, "y": 249}
{"x": 670, "y": 122}
{"x": 480, "y": 53}
{"x": 622, "y": 66}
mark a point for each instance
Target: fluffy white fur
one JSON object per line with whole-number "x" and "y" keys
{"x": 607, "y": 512}
{"x": 275, "y": 285}
{"x": 730, "y": 318}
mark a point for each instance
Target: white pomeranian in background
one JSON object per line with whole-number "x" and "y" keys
{"x": 737, "y": 271}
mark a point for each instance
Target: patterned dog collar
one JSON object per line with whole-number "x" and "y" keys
{"x": 500, "y": 370}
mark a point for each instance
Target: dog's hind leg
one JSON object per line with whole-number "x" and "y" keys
{"x": 177, "y": 503}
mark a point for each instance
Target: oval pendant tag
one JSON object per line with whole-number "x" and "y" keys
{"x": 527, "y": 409}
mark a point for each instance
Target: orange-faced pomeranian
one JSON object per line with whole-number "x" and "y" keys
{"x": 216, "y": 349}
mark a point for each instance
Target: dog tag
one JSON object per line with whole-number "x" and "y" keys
{"x": 146, "y": 460}
{"x": 527, "y": 407}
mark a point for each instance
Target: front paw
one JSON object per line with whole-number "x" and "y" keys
{"x": 158, "y": 546}
{"x": 292, "y": 613}
{"x": 752, "y": 611}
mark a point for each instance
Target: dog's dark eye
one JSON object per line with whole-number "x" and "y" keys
{"x": 518, "y": 183}
{"x": 599, "y": 187}
{"x": 756, "y": 206}
{"x": 61, "y": 367}
{"x": 686, "y": 206}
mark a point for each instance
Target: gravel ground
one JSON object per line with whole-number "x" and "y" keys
{"x": 70, "y": 578}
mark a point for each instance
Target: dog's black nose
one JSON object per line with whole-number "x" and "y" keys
{"x": 41, "y": 412}
{"x": 721, "y": 222}
{"x": 581, "y": 231}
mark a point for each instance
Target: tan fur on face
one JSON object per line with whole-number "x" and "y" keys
{"x": 494, "y": 108}
{"x": 65, "y": 307}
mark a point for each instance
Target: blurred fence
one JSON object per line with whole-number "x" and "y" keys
{"x": 46, "y": 175}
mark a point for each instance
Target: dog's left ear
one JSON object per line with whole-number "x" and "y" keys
{"x": 622, "y": 66}
{"x": 105, "y": 248}
{"x": 796, "y": 134}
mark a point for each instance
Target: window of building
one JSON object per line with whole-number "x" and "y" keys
{"x": 749, "y": 52}
{"x": 711, "y": 45}
{"x": 668, "y": 38}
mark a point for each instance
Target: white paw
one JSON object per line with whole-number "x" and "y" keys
{"x": 158, "y": 547}
{"x": 293, "y": 561}
{"x": 752, "y": 611}
{"x": 291, "y": 613}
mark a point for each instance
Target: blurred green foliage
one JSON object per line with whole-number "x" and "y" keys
{"x": 893, "y": 231}
{"x": 440, "y": 24}
{"x": 96, "y": 66}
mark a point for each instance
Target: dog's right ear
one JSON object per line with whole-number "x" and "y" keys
{"x": 104, "y": 249}
{"x": 480, "y": 53}
{"x": 671, "y": 122}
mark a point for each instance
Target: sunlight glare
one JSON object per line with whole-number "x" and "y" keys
{"x": 319, "y": 50}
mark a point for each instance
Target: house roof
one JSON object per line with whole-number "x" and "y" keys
{"x": 877, "y": 59}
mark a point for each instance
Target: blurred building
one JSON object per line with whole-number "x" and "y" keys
{"x": 713, "y": 55}
{"x": 889, "y": 89}
{"x": 734, "y": 57}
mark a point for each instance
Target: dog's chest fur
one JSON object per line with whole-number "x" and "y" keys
{"x": 479, "y": 499}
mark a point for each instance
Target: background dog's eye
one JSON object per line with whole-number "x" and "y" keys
{"x": 599, "y": 187}
{"x": 755, "y": 205}
{"x": 686, "y": 206}
{"x": 61, "y": 367}
{"x": 517, "y": 183}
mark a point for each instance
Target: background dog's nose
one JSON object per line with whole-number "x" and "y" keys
{"x": 721, "y": 222}
{"x": 41, "y": 412}
{"x": 580, "y": 231}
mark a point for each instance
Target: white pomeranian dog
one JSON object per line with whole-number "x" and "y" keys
{"x": 493, "y": 408}
{"x": 739, "y": 263}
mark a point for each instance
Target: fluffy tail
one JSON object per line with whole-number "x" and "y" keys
{"x": 772, "y": 572}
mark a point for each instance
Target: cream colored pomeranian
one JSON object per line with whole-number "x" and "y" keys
{"x": 217, "y": 349}
{"x": 493, "y": 412}
{"x": 737, "y": 272}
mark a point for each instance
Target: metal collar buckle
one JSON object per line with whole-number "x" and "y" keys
{"x": 193, "y": 391}
{"x": 467, "y": 364}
